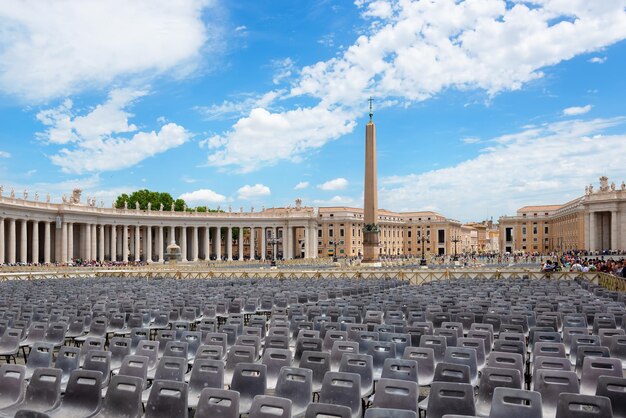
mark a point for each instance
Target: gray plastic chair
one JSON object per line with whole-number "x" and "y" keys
{"x": 617, "y": 347}
{"x": 492, "y": 378}
{"x": 55, "y": 334}
{"x": 218, "y": 403}
{"x": 339, "y": 348}
{"x": 319, "y": 364}
{"x": 90, "y": 344}
{"x": 67, "y": 362}
{"x": 149, "y": 349}
{"x": 331, "y": 336}
{"x": 585, "y": 351}
{"x": 425, "y": 358}
{"x": 389, "y": 413}
{"x": 613, "y": 388}
{"x": 578, "y": 340}
{"x": 11, "y": 384}
{"x": 176, "y": 349}
{"x": 237, "y": 354}
{"x": 517, "y": 403}
{"x": 99, "y": 361}
{"x": 342, "y": 389}
{"x": 326, "y": 410}
{"x": 380, "y": 351}
{"x": 167, "y": 399}
{"x": 213, "y": 352}
{"x": 571, "y": 405}
{"x": 295, "y": 384}
{"x": 466, "y": 356}
{"x": 206, "y": 373}
{"x": 249, "y": 380}
{"x": 169, "y": 368}
{"x": 506, "y": 360}
{"x": 484, "y": 335}
{"x": 361, "y": 364}
{"x": 437, "y": 343}
{"x": 400, "y": 369}
{"x": 554, "y": 363}
{"x": 40, "y": 356}
{"x": 477, "y": 344}
{"x": 396, "y": 394}
{"x": 123, "y": 398}
{"x": 82, "y": 397}
{"x": 10, "y": 344}
{"x": 264, "y": 406}
{"x": 450, "y": 398}
{"x": 42, "y": 394}
{"x": 275, "y": 359}
{"x": 136, "y": 366}
{"x": 593, "y": 368}
{"x": 551, "y": 383}
{"x": 119, "y": 348}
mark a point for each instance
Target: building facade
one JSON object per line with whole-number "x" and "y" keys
{"x": 595, "y": 221}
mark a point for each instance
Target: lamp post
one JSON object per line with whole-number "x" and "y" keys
{"x": 423, "y": 240}
{"x": 455, "y": 239}
{"x": 273, "y": 241}
{"x": 335, "y": 250}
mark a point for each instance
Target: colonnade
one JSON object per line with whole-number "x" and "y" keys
{"x": 36, "y": 241}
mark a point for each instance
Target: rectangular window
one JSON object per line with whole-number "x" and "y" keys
{"x": 509, "y": 234}
{"x": 441, "y": 236}
{"x": 534, "y": 230}
{"x": 341, "y": 232}
{"x": 523, "y": 230}
{"x": 545, "y": 230}
{"x": 330, "y": 233}
{"x": 319, "y": 233}
{"x": 409, "y": 232}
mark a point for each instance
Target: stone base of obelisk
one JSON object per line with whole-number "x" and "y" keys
{"x": 370, "y": 250}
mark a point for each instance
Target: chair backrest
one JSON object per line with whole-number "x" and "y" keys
{"x": 342, "y": 389}
{"x": 100, "y": 361}
{"x": 44, "y": 389}
{"x": 171, "y": 368}
{"x": 572, "y": 405}
{"x": 167, "y": 399}
{"x": 218, "y": 403}
{"x": 390, "y": 413}
{"x": 450, "y": 398}
{"x": 551, "y": 383}
{"x": 492, "y": 378}
{"x": 338, "y": 350}
{"x": 613, "y": 388}
{"x": 508, "y": 360}
{"x": 123, "y": 397}
{"x": 452, "y": 372}
{"x": 40, "y": 355}
{"x": 396, "y": 394}
{"x": 249, "y": 379}
{"x": 136, "y": 366}
{"x": 400, "y": 369}
{"x": 83, "y": 394}
{"x": 119, "y": 348}
{"x": 438, "y": 343}
{"x": 149, "y": 349}
{"x": 239, "y": 354}
{"x": 589, "y": 351}
{"x": 176, "y": 349}
{"x": 327, "y": 410}
{"x": 264, "y": 406}
{"x": 361, "y": 364}
{"x": 11, "y": 384}
{"x": 518, "y": 403}
{"x": 554, "y": 363}
{"x": 460, "y": 355}
{"x": 206, "y": 373}
{"x": 214, "y": 352}
{"x": 295, "y": 384}
{"x": 593, "y": 368}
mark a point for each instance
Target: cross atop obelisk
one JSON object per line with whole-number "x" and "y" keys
{"x": 370, "y": 204}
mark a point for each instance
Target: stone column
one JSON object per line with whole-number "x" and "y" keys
{"x": 218, "y": 243}
{"x": 35, "y": 243}
{"x": 614, "y": 224}
{"x": 172, "y": 234}
{"x": 183, "y": 243}
{"x": 315, "y": 241}
{"x": 125, "y": 243}
{"x": 24, "y": 241}
{"x": 101, "y": 243}
{"x": 64, "y": 242}
{"x": 263, "y": 250}
{"x": 1, "y": 241}
{"x": 70, "y": 241}
{"x": 307, "y": 236}
{"x": 161, "y": 246}
{"x": 148, "y": 244}
{"x": 287, "y": 244}
{"x": 113, "y": 243}
{"x": 252, "y": 255}
{"x": 194, "y": 244}
{"x": 137, "y": 243}
{"x": 87, "y": 254}
{"x": 46, "y": 243}
{"x": 240, "y": 242}
{"x": 94, "y": 242}
{"x": 592, "y": 231}
{"x": 275, "y": 246}
{"x": 207, "y": 243}
{"x": 12, "y": 243}
{"x": 229, "y": 243}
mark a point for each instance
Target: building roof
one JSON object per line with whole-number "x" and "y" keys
{"x": 539, "y": 208}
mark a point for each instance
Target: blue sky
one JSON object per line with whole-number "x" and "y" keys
{"x": 482, "y": 106}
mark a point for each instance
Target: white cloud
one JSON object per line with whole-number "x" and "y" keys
{"x": 414, "y": 50}
{"x": 248, "y": 192}
{"x": 598, "y": 60}
{"x": 470, "y": 140}
{"x": 302, "y": 185}
{"x": 264, "y": 138}
{"x": 576, "y": 110}
{"x": 338, "y": 201}
{"x": 283, "y": 69}
{"x": 202, "y": 196}
{"x": 52, "y": 48}
{"x": 4, "y": 154}
{"x": 230, "y": 109}
{"x": 93, "y": 141}
{"x": 334, "y": 184}
{"x": 188, "y": 180}
{"x": 546, "y": 164}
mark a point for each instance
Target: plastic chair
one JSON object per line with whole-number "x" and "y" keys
{"x": 617, "y": 347}
{"x": 551, "y": 383}
{"x": 425, "y": 358}
{"x": 438, "y": 345}
{"x": 119, "y": 348}
{"x": 206, "y": 373}
{"x": 585, "y": 351}
{"x": 176, "y": 349}
{"x": 10, "y": 344}
{"x": 67, "y": 362}
{"x": 237, "y": 354}
{"x": 149, "y": 349}
{"x": 167, "y": 399}
{"x": 380, "y": 351}
{"x": 319, "y": 364}
{"x": 213, "y": 352}
{"x": 492, "y": 378}
{"x": 42, "y": 394}
{"x": 295, "y": 384}
{"x": 593, "y": 368}
{"x": 218, "y": 403}
{"x": 55, "y": 334}
{"x": 249, "y": 380}
{"x": 193, "y": 340}
{"x": 509, "y": 402}
{"x": 400, "y": 369}
{"x": 613, "y": 388}
{"x": 135, "y": 366}
{"x": 339, "y": 348}
{"x": 275, "y": 359}
{"x": 169, "y": 368}
{"x": 506, "y": 360}
{"x": 571, "y": 405}
{"x": 40, "y": 356}
{"x": 326, "y": 410}
{"x": 90, "y": 344}
{"x": 11, "y": 384}
{"x": 123, "y": 398}
{"x": 478, "y": 344}
{"x": 270, "y": 407}
{"x": 342, "y": 389}
{"x": 99, "y": 361}
{"x": 467, "y": 356}
{"x": 450, "y": 398}
{"x": 396, "y": 394}
{"x": 82, "y": 397}
{"x": 361, "y": 364}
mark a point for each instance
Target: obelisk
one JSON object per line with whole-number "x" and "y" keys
{"x": 370, "y": 204}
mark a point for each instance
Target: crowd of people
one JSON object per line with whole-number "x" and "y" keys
{"x": 572, "y": 262}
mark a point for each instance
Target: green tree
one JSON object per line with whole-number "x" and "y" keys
{"x": 146, "y": 196}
